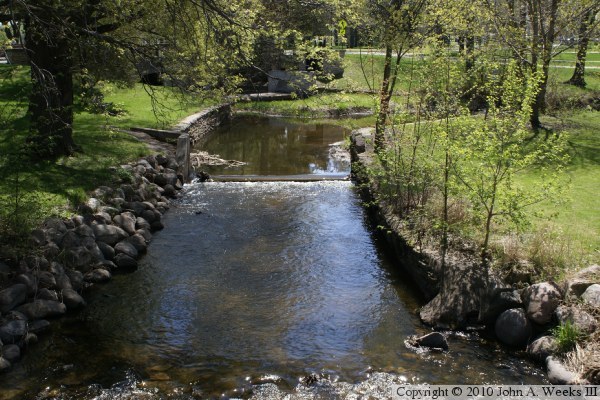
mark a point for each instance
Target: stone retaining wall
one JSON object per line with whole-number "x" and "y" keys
{"x": 200, "y": 124}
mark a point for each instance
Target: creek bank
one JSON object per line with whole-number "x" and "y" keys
{"x": 456, "y": 299}
{"x": 109, "y": 233}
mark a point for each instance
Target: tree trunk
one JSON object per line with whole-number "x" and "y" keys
{"x": 385, "y": 96}
{"x": 51, "y": 99}
{"x": 578, "y": 78}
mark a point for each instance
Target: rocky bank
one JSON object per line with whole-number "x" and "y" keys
{"x": 110, "y": 232}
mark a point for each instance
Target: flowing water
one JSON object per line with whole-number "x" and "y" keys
{"x": 249, "y": 289}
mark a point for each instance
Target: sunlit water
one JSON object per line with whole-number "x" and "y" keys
{"x": 251, "y": 283}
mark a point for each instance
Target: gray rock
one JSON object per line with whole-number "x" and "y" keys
{"x": 11, "y": 352}
{"x": 102, "y": 216}
{"x": 433, "y": 340}
{"x": 79, "y": 258}
{"x": 76, "y": 278}
{"x": 558, "y": 373}
{"x": 592, "y": 295}
{"x": 138, "y": 241}
{"x": 15, "y": 315}
{"x": 12, "y": 297}
{"x": 513, "y": 328}
{"x": 63, "y": 282}
{"x": 13, "y": 331}
{"x": 161, "y": 160}
{"x": 129, "y": 191}
{"x": 4, "y": 364}
{"x": 145, "y": 233}
{"x": 42, "y": 309}
{"x": 30, "y": 338}
{"x": 125, "y": 262}
{"x": 107, "y": 250}
{"x": 5, "y": 271}
{"x": 169, "y": 190}
{"x": 56, "y": 268}
{"x": 97, "y": 276}
{"x": 29, "y": 281}
{"x": 46, "y": 280}
{"x": 38, "y": 263}
{"x": 51, "y": 250}
{"x": 542, "y": 347}
{"x": 56, "y": 224}
{"x": 125, "y": 247}
{"x": 103, "y": 192}
{"x": 152, "y": 161}
{"x": 541, "y": 300}
{"x": 583, "y": 321}
{"x": 46, "y": 294}
{"x": 500, "y": 301}
{"x": 582, "y": 280}
{"x": 38, "y": 238}
{"x": 126, "y": 221}
{"x": 107, "y": 265}
{"x": 39, "y": 326}
{"x": 69, "y": 240}
{"x": 157, "y": 226}
{"x": 136, "y": 207}
{"x": 109, "y": 234}
{"x": 149, "y": 215}
{"x": 118, "y": 201}
{"x": 84, "y": 231}
{"x": 93, "y": 203}
{"x": 142, "y": 223}
{"x": 72, "y": 299}
{"x": 110, "y": 211}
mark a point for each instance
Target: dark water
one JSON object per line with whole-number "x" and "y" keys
{"x": 275, "y": 146}
{"x": 251, "y": 283}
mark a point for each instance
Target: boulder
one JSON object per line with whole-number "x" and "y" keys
{"x": 98, "y": 275}
{"x": 541, "y": 300}
{"x": 580, "y": 319}
{"x": 161, "y": 160}
{"x": 29, "y": 281}
{"x": 46, "y": 294}
{"x": 434, "y": 340}
{"x": 30, "y": 338}
{"x": 56, "y": 224}
{"x": 126, "y": 221}
{"x": 501, "y": 300}
{"x": 51, "y": 250}
{"x": 13, "y": 331}
{"x": 4, "y": 364}
{"x": 76, "y": 278}
{"x": 69, "y": 240}
{"x": 542, "y": 347}
{"x": 12, "y": 297}
{"x": 157, "y": 226}
{"x": 169, "y": 190}
{"x": 78, "y": 258}
{"x": 46, "y": 280}
{"x": 103, "y": 192}
{"x": 145, "y": 233}
{"x": 513, "y": 328}
{"x": 142, "y": 223}
{"x": 592, "y": 295}
{"x": 107, "y": 250}
{"x": 37, "y": 237}
{"x": 558, "y": 373}
{"x": 582, "y": 280}
{"x": 5, "y": 271}
{"x": 109, "y": 234}
{"x": 125, "y": 247}
{"x": 93, "y": 203}
{"x": 84, "y": 231}
{"x": 63, "y": 282}
{"x": 137, "y": 241}
{"x": 102, "y": 216}
{"x": 56, "y": 269}
{"x": 42, "y": 309}
{"x": 11, "y": 352}
{"x": 39, "y": 326}
{"x": 72, "y": 299}
{"x": 125, "y": 262}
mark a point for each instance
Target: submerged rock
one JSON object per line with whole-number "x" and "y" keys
{"x": 434, "y": 340}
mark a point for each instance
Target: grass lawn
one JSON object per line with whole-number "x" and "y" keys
{"x": 48, "y": 188}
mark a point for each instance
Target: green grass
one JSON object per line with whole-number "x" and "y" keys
{"x": 50, "y": 187}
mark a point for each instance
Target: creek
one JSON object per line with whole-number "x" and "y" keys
{"x": 253, "y": 283}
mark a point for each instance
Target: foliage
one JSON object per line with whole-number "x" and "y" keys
{"x": 567, "y": 335}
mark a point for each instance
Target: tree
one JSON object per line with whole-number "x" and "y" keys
{"x": 68, "y": 39}
{"x": 530, "y": 30}
{"x": 498, "y": 147}
{"x": 586, "y": 28}
{"x": 399, "y": 21}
